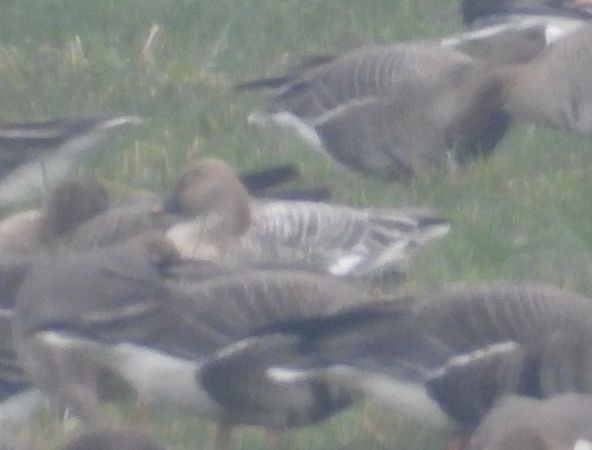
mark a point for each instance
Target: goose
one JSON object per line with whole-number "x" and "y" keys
{"x": 563, "y": 422}
{"x": 111, "y": 309}
{"x": 35, "y": 155}
{"x": 68, "y": 205}
{"x": 389, "y": 111}
{"x": 446, "y": 359}
{"x": 553, "y": 89}
{"x": 334, "y": 239}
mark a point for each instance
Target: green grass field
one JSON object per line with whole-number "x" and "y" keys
{"x": 523, "y": 214}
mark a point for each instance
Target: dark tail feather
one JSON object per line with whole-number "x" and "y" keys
{"x": 261, "y": 180}
{"x": 310, "y": 62}
{"x": 427, "y": 222}
{"x": 311, "y": 194}
{"x": 263, "y": 83}
{"x": 306, "y": 63}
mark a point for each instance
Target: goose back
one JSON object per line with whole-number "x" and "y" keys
{"x": 336, "y": 239}
{"x": 117, "y": 225}
{"x": 554, "y": 88}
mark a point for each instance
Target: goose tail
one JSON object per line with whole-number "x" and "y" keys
{"x": 259, "y": 181}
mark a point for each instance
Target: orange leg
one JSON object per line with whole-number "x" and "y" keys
{"x": 222, "y": 434}
{"x": 275, "y": 440}
{"x": 142, "y": 415}
{"x": 457, "y": 441}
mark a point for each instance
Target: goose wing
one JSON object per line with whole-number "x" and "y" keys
{"x": 458, "y": 351}
{"x": 339, "y": 239}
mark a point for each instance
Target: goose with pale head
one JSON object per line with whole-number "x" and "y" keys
{"x": 335, "y": 239}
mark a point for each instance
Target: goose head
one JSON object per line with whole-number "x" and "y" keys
{"x": 210, "y": 191}
{"x": 71, "y": 203}
{"x": 211, "y": 186}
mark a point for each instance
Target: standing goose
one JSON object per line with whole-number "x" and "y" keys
{"x": 446, "y": 359}
{"x": 331, "y": 238}
{"x": 554, "y": 89}
{"x": 563, "y": 422}
{"x": 389, "y": 111}
{"x": 111, "y": 309}
{"x": 35, "y": 155}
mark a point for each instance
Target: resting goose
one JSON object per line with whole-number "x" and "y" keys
{"x": 335, "y": 239}
{"x": 35, "y": 155}
{"x": 124, "y": 221}
{"x": 111, "y": 309}
{"x": 389, "y": 111}
{"x": 563, "y": 422}
{"x": 68, "y": 205}
{"x": 446, "y": 359}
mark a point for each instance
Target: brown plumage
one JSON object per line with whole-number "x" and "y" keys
{"x": 554, "y": 89}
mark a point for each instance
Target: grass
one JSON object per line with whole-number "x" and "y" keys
{"x": 525, "y": 213}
